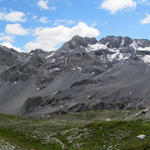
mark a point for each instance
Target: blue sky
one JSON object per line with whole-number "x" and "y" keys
{"x": 46, "y": 24}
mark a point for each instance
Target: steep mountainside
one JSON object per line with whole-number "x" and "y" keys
{"x": 84, "y": 74}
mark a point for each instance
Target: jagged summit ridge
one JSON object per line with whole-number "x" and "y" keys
{"x": 78, "y": 41}
{"x": 116, "y": 48}
{"x": 111, "y": 42}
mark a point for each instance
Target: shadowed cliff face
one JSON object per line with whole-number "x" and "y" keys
{"x": 84, "y": 74}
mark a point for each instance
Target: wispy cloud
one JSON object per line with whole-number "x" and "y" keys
{"x": 43, "y": 4}
{"x": 117, "y": 5}
{"x": 14, "y": 16}
{"x": 63, "y": 21}
{"x": 143, "y": 2}
{"x": 16, "y": 29}
{"x": 44, "y": 20}
{"x": 146, "y": 20}
{"x": 6, "y": 38}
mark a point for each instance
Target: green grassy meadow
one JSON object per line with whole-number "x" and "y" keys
{"x": 81, "y": 131}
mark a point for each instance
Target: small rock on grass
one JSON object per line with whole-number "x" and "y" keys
{"x": 141, "y": 137}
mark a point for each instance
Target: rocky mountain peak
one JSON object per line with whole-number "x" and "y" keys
{"x": 37, "y": 51}
{"x": 78, "y": 41}
{"x": 142, "y": 42}
{"x": 116, "y": 42}
{"x": 7, "y": 56}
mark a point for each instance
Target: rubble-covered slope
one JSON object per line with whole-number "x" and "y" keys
{"x": 84, "y": 74}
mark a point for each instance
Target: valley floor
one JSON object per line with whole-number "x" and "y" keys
{"x": 80, "y": 131}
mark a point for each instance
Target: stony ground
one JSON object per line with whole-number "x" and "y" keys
{"x": 74, "y": 132}
{"x": 7, "y": 146}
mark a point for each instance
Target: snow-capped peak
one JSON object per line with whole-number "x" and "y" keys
{"x": 122, "y": 48}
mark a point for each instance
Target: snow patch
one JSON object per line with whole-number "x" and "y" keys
{"x": 55, "y": 69}
{"x": 79, "y": 68}
{"x": 115, "y": 56}
{"x": 143, "y": 49}
{"x": 95, "y": 47}
{"x": 122, "y": 43}
{"x": 146, "y": 59}
{"x": 55, "y": 93}
{"x": 53, "y": 60}
{"x": 15, "y": 82}
{"x": 134, "y": 45}
{"x": 92, "y": 73}
{"x": 50, "y": 55}
{"x": 73, "y": 69}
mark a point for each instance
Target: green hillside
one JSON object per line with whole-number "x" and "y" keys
{"x": 72, "y": 132}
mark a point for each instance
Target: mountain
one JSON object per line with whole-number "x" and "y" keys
{"x": 84, "y": 74}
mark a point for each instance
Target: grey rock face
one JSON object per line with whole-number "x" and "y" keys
{"x": 116, "y": 42}
{"x": 78, "y": 41}
{"x": 84, "y": 74}
{"x": 143, "y": 42}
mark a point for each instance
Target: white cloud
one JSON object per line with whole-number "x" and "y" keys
{"x": 6, "y": 38}
{"x": 63, "y": 21}
{"x": 14, "y": 16}
{"x": 44, "y": 20}
{"x": 52, "y": 8}
{"x": 35, "y": 18}
{"x": 146, "y": 20}
{"x": 49, "y": 38}
{"x": 117, "y": 5}
{"x": 15, "y": 29}
{"x": 142, "y": 1}
{"x": 43, "y": 4}
{"x": 9, "y": 45}
{"x": 2, "y": 16}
